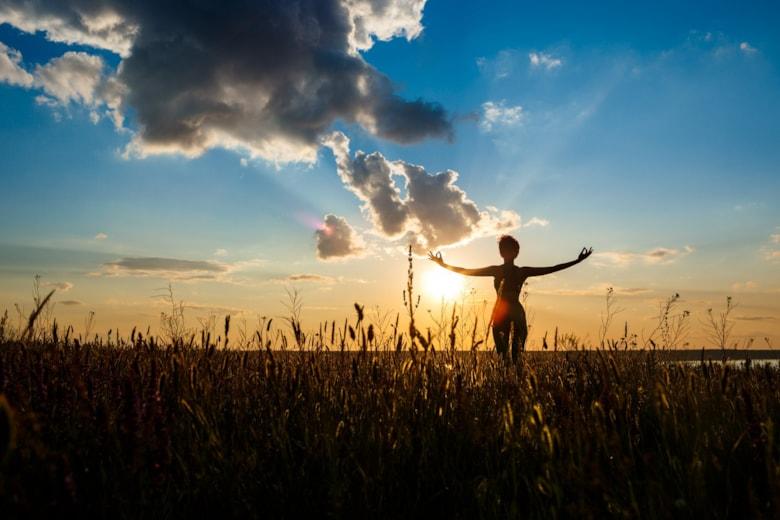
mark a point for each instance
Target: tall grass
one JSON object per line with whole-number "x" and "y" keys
{"x": 365, "y": 419}
{"x": 147, "y": 430}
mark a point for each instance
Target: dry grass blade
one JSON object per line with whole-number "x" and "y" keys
{"x": 29, "y": 331}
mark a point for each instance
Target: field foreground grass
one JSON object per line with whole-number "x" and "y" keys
{"x": 147, "y": 431}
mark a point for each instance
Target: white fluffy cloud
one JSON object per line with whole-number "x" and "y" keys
{"x": 495, "y": 114}
{"x": 337, "y": 239}
{"x": 543, "y": 60}
{"x": 74, "y": 78}
{"x": 433, "y": 212}
{"x": 11, "y": 70}
{"x": 383, "y": 20}
{"x": 86, "y": 23}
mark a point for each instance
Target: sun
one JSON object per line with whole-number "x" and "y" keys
{"x": 441, "y": 284}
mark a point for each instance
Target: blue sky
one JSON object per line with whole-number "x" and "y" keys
{"x": 632, "y": 128}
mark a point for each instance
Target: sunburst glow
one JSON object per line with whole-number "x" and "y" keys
{"x": 442, "y": 284}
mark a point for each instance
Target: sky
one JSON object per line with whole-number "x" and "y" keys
{"x": 239, "y": 150}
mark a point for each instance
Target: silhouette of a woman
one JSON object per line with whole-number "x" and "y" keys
{"x": 508, "y": 280}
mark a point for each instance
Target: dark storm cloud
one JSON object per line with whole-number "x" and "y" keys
{"x": 266, "y": 77}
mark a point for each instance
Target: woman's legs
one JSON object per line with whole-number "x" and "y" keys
{"x": 501, "y": 337}
{"x": 512, "y": 329}
{"x": 519, "y": 334}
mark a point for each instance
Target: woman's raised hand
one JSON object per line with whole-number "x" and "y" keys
{"x": 585, "y": 253}
{"x": 435, "y": 258}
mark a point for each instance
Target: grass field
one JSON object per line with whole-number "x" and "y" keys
{"x": 373, "y": 419}
{"x": 146, "y": 430}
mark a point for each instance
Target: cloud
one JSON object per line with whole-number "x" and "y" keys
{"x": 536, "y": 222}
{"x": 101, "y": 236}
{"x": 501, "y": 67}
{"x": 594, "y": 290}
{"x": 499, "y": 114}
{"x": 95, "y": 24}
{"x": 75, "y": 78}
{"x": 744, "y": 286}
{"x": 221, "y": 252}
{"x": 746, "y": 48}
{"x": 167, "y": 268}
{"x": 309, "y": 277}
{"x": 266, "y": 78}
{"x": 316, "y": 279}
{"x": 770, "y": 250}
{"x": 657, "y": 256}
{"x": 11, "y": 71}
{"x": 433, "y": 212}
{"x": 70, "y": 303}
{"x": 60, "y": 286}
{"x": 755, "y": 318}
{"x": 543, "y": 60}
{"x": 336, "y": 239}
{"x": 383, "y": 20}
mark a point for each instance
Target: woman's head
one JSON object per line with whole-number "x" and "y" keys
{"x": 508, "y": 247}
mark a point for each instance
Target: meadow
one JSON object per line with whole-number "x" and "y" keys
{"x": 375, "y": 420}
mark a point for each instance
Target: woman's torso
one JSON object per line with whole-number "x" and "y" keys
{"x": 509, "y": 282}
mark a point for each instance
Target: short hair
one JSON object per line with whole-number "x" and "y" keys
{"x": 508, "y": 246}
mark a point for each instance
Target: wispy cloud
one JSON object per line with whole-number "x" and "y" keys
{"x": 60, "y": 286}
{"x": 501, "y": 66}
{"x": 536, "y": 222}
{"x": 656, "y": 256}
{"x": 746, "y": 48}
{"x": 70, "y": 303}
{"x": 315, "y": 278}
{"x": 544, "y": 60}
{"x": 101, "y": 236}
{"x": 770, "y": 250}
{"x": 718, "y": 44}
{"x": 744, "y": 286}
{"x": 594, "y": 290}
{"x": 176, "y": 269}
{"x": 309, "y": 277}
{"x": 499, "y": 114}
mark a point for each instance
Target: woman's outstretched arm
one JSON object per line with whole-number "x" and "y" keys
{"x": 539, "y": 271}
{"x": 480, "y": 271}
